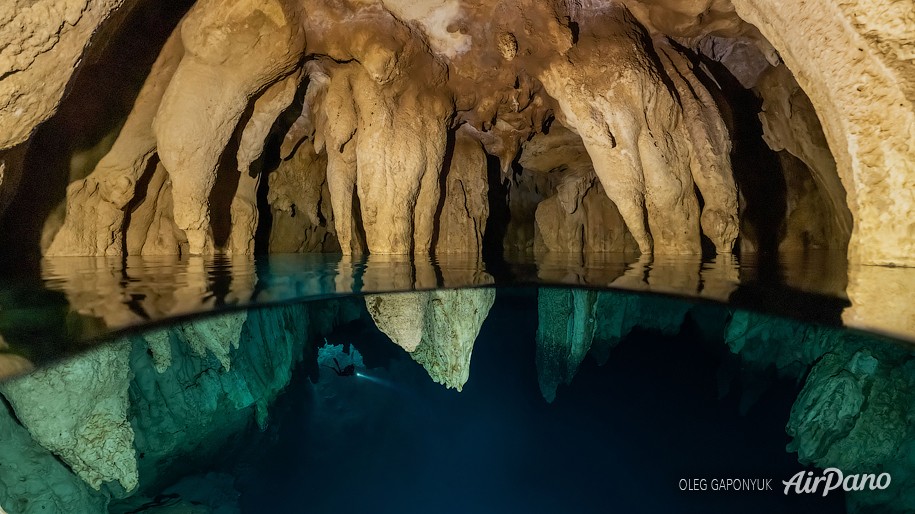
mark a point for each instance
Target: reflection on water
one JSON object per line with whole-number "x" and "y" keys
{"x": 577, "y": 400}
{"x": 80, "y": 299}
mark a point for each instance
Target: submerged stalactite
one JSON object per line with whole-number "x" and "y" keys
{"x": 437, "y": 328}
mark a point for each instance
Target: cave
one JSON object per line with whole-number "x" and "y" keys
{"x": 388, "y": 128}
{"x": 638, "y": 216}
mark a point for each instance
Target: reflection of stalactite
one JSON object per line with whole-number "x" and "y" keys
{"x": 437, "y": 328}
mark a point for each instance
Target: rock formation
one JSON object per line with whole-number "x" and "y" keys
{"x": 854, "y": 65}
{"x": 437, "y": 328}
{"x": 116, "y": 422}
{"x": 421, "y": 122}
{"x": 32, "y": 480}
{"x": 566, "y": 322}
{"x": 853, "y": 412}
{"x": 78, "y": 411}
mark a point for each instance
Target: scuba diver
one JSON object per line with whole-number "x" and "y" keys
{"x": 348, "y": 371}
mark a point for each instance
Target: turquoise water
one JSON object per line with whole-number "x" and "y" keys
{"x": 289, "y": 385}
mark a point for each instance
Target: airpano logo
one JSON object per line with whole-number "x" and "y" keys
{"x": 832, "y": 479}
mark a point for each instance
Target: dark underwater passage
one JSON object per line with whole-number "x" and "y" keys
{"x": 514, "y": 399}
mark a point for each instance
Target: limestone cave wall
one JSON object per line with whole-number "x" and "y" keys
{"x": 444, "y": 126}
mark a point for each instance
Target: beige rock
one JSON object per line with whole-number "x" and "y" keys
{"x": 336, "y": 133}
{"x": 811, "y": 222}
{"x": 527, "y": 190}
{"x": 298, "y": 193}
{"x": 461, "y": 222}
{"x": 41, "y": 43}
{"x": 267, "y": 108}
{"x": 610, "y": 92}
{"x": 710, "y": 161}
{"x": 400, "y": 148}
{"x": 11, "y": 162}
{"x": 790, "y": 123}
{"x": 580, "y": 218}
{"x": 97, "y": 205}
{"x": 232, "y": 51}
{"x": 389, "y": 80}
{"x": 151, "y": 229}
{"x": 854, "y": 62}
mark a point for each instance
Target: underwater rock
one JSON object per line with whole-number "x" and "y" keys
{"x": 210, "y": 493}
{"x": 618, "y": 313}
{"x": 219, "y": 334}
{"x": 12, "y": 364}
{"x": 400, "y": 316}
{"x": 338, "y": 357}
{"x": 851, "y": 413}
{"x": 78, "y": 410}
{"x": 196, "y": 405}
{"x": 565, "y": 329}
{"x": 437, "y": 328}
{"x": 33, "y": 480}
{"x": 453, "y": 321}
{"x": 790, "y": 346}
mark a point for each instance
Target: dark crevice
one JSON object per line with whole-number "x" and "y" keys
{"x": 499, "y": 217}
{"x": 443, "y": 189}
{"x": 756, "y": 167}
{"x": 140, "y": 191}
